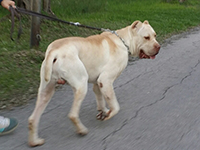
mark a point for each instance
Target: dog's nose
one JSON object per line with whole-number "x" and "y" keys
{"x": 157, "y": 47}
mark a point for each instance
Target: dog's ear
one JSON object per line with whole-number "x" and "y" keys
{"x": 135, "y": 23}
{"x": 146, "y": 22}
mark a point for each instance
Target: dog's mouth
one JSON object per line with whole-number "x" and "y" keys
{"x": 142, "y": 55}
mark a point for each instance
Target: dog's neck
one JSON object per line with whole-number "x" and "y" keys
{"x": 125, "y": 37}
{"x": 125, "y": 34}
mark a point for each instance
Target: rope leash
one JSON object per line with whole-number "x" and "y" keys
{"x": 15, "y": 14}
{"x": 16, "y": 11}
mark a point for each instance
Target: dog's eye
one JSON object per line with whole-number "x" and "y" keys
{"x": 155, "y": 35}
{"x": 147, "y": 37}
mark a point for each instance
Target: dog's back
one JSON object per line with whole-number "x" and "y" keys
{"x": 94, "y": 52}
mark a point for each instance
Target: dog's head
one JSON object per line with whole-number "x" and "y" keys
{"x": 143, "y": 44}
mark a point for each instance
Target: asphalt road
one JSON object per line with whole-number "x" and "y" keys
{"x": 159, "y": 100}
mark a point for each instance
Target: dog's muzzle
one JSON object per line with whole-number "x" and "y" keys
{"x": 143, "y": 55}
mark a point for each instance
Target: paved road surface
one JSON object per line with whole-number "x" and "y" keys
{"x": 160, "y": 108}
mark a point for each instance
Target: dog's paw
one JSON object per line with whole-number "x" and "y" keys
{"x": 36, "y": 142}
{"x": 103, "y": 115}
{"x": 82, "y": 132}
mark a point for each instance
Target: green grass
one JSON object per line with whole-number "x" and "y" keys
{"x": 19, "y": 66}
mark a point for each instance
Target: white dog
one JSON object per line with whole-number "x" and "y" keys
{"x": 97, "y": 59}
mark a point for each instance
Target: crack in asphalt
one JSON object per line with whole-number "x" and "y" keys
{"x": 126, "y": 121}
{"x": 131, "y": 80}
{"x": 127, "y": 82}
{"x": 184, "y": 134}
{"x": 190, "y": 73}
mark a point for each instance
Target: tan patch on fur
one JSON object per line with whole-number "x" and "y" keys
{"x": 100, "y": 85}
{"x": 98, "y": 40}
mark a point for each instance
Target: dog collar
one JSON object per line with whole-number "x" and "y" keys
{"x": 114, "y": 32}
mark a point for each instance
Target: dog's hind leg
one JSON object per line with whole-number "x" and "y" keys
{"x": 79, "y": 95}
{"x": 78, "y": 80}
{"x": 45, "y": 92}
{"x": 101, "y": 105}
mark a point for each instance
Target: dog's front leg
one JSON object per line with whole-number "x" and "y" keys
{"x": 101, "y": 105}
{"x": 106, "y": 88}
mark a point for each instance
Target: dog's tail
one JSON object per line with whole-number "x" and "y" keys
{"x": 48, "y": 64}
